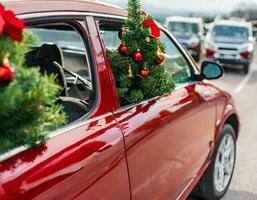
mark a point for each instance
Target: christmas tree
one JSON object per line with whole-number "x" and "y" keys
{"x": 138, "y": 64}
{"x": 27, "y": 98}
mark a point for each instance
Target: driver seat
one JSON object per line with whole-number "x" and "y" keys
{"x": 49, "y": 58}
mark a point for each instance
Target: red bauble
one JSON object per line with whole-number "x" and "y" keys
{"x": 154, "y": 29}
{"x": 138, "y": 56}
{"x": 121, "y": 31}
{"x": 144, "y": 72}
{"x": 6, "y": 75}
{"x": 160, "y": 59}
{"x": 123, "y": 48}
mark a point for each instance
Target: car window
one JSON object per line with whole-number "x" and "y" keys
{"x": 176, "y": 63}
{"x": 230, "y": 31}
{"x": 184, "y": 27}
{"x": 60, "y": 50}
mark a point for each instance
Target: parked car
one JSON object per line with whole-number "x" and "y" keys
{"x": 230, "y": 42}
{"x": 189, "y": 31}
{"x": 160, "y": 148}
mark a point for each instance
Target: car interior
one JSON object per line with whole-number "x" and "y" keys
{"x": 59, "y": 50}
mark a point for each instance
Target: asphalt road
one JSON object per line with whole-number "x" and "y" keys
{"x": 244, "y": 90}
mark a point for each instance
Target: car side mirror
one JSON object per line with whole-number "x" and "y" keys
{"x": 211, "y": 70}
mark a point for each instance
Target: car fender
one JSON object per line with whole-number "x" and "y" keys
{"x": 222, "y": 118}
{"x": 3, "y": 195}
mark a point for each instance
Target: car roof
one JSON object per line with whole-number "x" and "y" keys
{"x": 37, "y": 6}
{"x": 184, "y": 19}
{"x": 233, "y": 23}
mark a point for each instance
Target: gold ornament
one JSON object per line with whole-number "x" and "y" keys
{"x": 130, "y": 73}
{"x": 160, "y": 58}
{"x": 159, "y": 52}
{"x": 6, "y": 59}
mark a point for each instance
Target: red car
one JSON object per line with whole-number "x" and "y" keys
{"x": 162, "y": 148}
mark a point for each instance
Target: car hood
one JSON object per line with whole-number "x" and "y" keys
{"x": 230, "y": 40}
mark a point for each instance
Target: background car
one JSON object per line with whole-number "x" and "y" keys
{"x": 189, "y": 31}
{"x": 159, "y": 148}
{"x": 230, "y": 42}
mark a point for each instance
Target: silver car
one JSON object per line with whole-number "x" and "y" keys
{"x": 230, "y": 43}
{"x": 189, "y": 31}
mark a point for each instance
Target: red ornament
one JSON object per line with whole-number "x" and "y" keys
{"x": 123, "y": 48}
{"x": 138, "y": 56}
{"x": 144, "y": 72}
{"x": 121, "y": 31}
{"x": 2, "y": 23}
{"x": 13, "y": 26}
{"x": 10, "y": 24}
{"x": 160, "y": 58}
{"x": 155, "y": 30}
{"x": 6, "y": 75}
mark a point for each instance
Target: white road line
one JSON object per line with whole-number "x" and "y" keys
{"x": 242, "y": 84}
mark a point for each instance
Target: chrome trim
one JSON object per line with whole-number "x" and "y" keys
{"x": 181, "y": 48}
{"x": 53, "y": 134}
{"x": 186, "y": 188}
{"x": 59, "y": 14}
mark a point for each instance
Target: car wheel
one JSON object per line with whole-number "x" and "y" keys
{"x": 246, "y": 69}
{"x": 216, "y": 180}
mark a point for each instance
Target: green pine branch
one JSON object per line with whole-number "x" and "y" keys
{"x": 28, "y": 104}
{"x": 136, "y": 88}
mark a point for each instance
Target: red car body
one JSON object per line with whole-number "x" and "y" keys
{"x": 157, "y": 149}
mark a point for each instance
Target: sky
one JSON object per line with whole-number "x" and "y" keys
{"x": 224, "y": 6}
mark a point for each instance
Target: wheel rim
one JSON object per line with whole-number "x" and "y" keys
{"x": 224, "y": 163}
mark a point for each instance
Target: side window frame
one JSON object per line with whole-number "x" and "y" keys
{"x": 77, "y": 23}
{"x": 193, "y": 68}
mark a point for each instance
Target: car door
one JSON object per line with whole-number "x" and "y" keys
{"x": 169, "y": 138}
{"x": 83, "y": 160}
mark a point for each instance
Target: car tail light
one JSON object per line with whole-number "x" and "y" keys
{"x": 246, "y": 54}
{"x": 197, "y": 47}
{"x": 209, "y": 52}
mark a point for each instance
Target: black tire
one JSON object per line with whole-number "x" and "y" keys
{"x": 246, "y": 69}
{"x": 205, "y": 189}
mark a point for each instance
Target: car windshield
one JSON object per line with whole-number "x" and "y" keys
{"x": 183, "y": 27}
{"x": 230, "y": 31}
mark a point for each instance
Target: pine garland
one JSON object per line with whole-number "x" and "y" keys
{"x": 136, "y": 36}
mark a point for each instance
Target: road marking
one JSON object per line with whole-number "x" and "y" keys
{"x": 242, "y": 84}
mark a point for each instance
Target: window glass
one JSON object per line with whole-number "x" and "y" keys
{"x": 111, "y": 39}
{"x": 60, "y": 50}
{"x": 175, "y": 62}
{"x": 230, "y": 31}
{"x": 183, "y": 27}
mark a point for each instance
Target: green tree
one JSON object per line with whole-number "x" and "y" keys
{"x": 28, "y": 103}
{"x": 138, "y": 63}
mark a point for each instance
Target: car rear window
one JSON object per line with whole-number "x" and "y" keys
{"x": 183, "y": 27}
{"x": 230, "y": 31}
